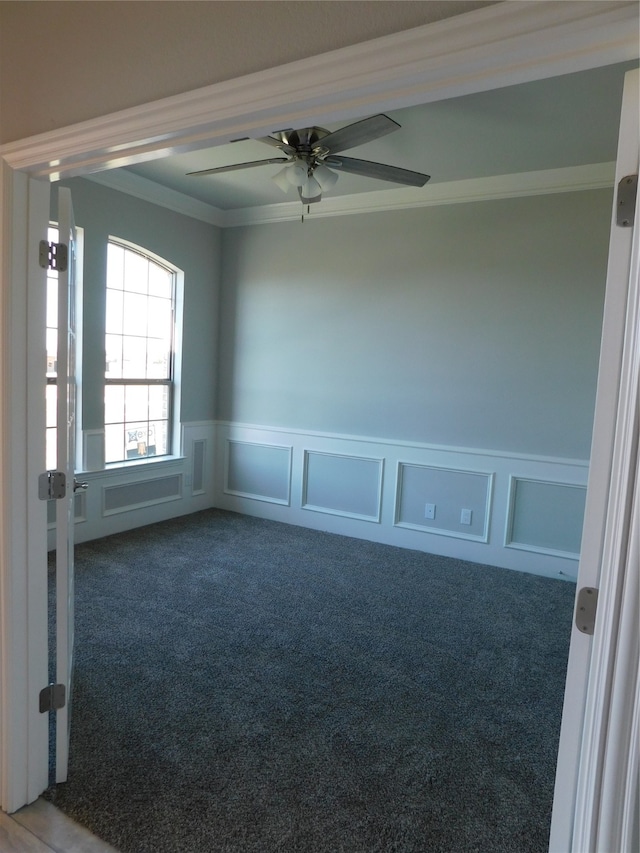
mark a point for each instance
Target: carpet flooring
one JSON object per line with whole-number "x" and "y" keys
{"x": 245, "y": 686}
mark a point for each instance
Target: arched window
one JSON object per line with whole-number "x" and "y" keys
{"x": 140, "y": 340}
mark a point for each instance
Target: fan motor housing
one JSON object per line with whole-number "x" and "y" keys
{"x": 305, "y": 140}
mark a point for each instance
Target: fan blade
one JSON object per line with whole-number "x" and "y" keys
{"x": 377, "y": 170}
{"x": 359, "y": 133}
{"x": 220, "y": 169}
{"x": 277, "y": 143}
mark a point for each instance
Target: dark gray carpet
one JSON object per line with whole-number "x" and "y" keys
{"x": 243, "y": 685}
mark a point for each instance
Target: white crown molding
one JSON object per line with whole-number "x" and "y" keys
{"x": 498, "y": 45}
{"x": 569, "y": 179}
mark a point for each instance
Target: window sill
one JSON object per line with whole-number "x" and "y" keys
{"x": 135, "y": 465}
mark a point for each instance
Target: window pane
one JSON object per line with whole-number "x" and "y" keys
{"x": 113, "y": 443}
{"x": 51, "y": 417}
{"x": 140, "y": 440}
{"x": 158, "y": 402}
{"x": 134, "y": 357}
{"x": 51, "y": 398}
{"x": 134, "y": 319}
{"x": 114, "y": 404}
{"x": 113, "y": 345}
{"x": 158, "y": 363}
{"x": 136, "y": 272}
{"x": 160, "y": 319}
{"x": 136, "y": 421}
{"x": 115, "y": 266}
{"x": 160, "y": 433}
{"x": 52, "y": 300}
{"x": 160, "y": 281}
{"x": 113, "y": 320}
{"x": 52, "y": 352}
{"x": 136, "y": 405}
{"x": 51, "y": 449}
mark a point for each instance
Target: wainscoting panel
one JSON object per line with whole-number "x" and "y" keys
{"x": 545, "y": 516}
{"x": 258, "y": 471}
{"x": 121, "y": 497}
{"x": 198, "y": 473}
{"x": 524, "y": 512}
{"x": 93, "y": 449}
{"x": 343, "y": 485}
{"x": 520, "y": 512}
{"x": 460, "y": 500}
{"x": 141, "y": 493}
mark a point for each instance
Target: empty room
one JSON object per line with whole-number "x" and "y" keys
{"x": 332, "y": 447}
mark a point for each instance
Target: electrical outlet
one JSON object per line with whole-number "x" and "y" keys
{"x": 430, "y": 511}
{"x": 465, "y": 516}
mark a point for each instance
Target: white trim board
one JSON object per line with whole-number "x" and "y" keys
{"x": 495, "y": 46}
{"x": 238, "y": 429}
{"x": 543, "y": 182}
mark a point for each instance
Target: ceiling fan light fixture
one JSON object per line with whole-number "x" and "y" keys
{"x": 325, "y": 177}
{"x": 310, "y": 191}
{"x": 310, "y": 151}
{"x": 297, "y": 173}
{"x": 281, "y": 179}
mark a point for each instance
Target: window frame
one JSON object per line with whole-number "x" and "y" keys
{"x": 51, "y": 379}
{"x": 175, "y": 359}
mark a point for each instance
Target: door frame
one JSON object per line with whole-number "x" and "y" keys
{"x": 23, "y": 556}
{"x": 592, "y": 704}
{"x": 495, "y": 46}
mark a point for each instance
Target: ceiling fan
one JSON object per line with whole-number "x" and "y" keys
{"x": 310, "y": 152}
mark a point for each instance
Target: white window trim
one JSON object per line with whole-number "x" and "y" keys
{"x": 175, "y": 448}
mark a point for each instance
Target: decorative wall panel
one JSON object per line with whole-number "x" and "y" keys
{"x": 198, "y": 469}
{"x": 141, "y": 493}
{"x": 343, "y": 485}
{"x": 545, "y": 516}
{"x": 259, "y": 471}
{"x": 445, "y": 501}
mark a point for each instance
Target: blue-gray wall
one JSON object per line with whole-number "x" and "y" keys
{"x": 189, "y": 244}
{"x": 466, "y": 325}
{"x": 343, "y": 372}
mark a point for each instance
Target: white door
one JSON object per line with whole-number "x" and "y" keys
{"x": 66, "y": 455}
{"x": 595, "y": 802}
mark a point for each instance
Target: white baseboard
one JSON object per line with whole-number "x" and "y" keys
{"x": 352, "y": 497}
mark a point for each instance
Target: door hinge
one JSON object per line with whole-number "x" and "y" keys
{"x": 626, "y": 201}
{"x": 586, "y": 606}
{"x": 54, "y": 256}
{"x": 52, "y": 486}
{"x": 52, "y": 698}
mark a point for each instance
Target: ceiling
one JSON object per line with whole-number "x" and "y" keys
{"x": 547, "y": 124}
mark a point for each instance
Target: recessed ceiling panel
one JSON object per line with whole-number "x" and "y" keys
{"x": 546, "y": 124}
